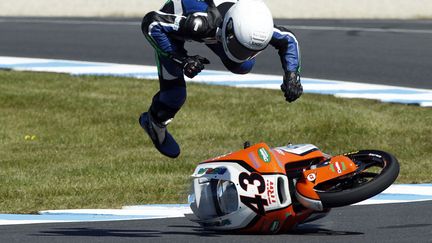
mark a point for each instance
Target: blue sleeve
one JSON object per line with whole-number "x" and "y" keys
{"x": 289, "y": 51}
{"x": 193, "y": 6}
{"x": 156, "y": 27}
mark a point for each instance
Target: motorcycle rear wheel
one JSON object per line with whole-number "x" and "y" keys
{"x": 377, "y": 170}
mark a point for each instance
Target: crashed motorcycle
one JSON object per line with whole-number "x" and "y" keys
{"x": 271, "y": 190}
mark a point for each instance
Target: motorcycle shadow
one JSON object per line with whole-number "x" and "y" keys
{"x": 182, "y": 231}
{"x": 314, "y": 229}
{"x": 304, "y": 229}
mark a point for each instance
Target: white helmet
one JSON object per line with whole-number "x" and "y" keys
{"x": 247, "y": 30}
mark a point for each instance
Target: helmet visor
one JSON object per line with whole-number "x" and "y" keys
{"x": 236, "y": 49}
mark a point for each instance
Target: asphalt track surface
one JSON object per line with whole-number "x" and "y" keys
{"x": 372, "y": 51}
{"x": 408, "y": 222}
{"x": 385, "y": 52}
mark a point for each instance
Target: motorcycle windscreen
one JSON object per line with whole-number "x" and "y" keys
{"x": 213, "y": 198}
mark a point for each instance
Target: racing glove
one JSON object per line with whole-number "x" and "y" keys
{"x": 291, "y": 86}
{"x": 192, "y": 65}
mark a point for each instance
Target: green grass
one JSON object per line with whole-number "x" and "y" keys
{"x": 90, "y": 151}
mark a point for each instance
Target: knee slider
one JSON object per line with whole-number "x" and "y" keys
{"x": 161, "y": 112}
{"x": 167, "y": 103}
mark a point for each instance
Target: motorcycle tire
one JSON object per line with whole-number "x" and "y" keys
{"x": 354, "y": 191}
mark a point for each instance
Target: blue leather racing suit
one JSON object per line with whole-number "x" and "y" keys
{"x": 168, "y": 29}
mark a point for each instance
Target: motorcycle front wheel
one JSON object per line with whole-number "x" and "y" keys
{"x": 376, "y": 171}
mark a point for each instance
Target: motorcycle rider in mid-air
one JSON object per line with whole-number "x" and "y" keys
{"x": 236, "y": 31}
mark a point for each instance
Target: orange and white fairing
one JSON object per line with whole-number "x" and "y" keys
{"x": 262, "y": 202}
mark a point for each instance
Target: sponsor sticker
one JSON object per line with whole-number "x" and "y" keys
{"x": 274, "y": 226}
{"x": 264, "y": 155}
{"x": 338, "y": 167}
{"x": 202, "y": 171}
{"x": 332, "y": 168}
{"x": 311, "y": 177}
{"x": 271, "y": 192}
{"x": 350, "y": 153}
{"x": 212, "y": 171}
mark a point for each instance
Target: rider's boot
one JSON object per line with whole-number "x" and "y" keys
{"x": 158, "y": 133}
